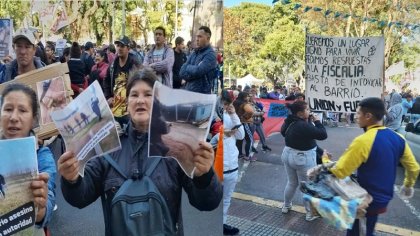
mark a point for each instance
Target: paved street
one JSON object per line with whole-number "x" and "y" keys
{"x": 259, "y": 196}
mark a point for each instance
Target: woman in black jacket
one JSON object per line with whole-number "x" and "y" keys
{"x": 299, "y": 154}
{"x": 100, "y": 179}
{"x": 76, "y": 69}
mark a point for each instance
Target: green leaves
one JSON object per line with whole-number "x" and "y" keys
{"x": 267, "y": 42}
{"x": 88, "y": 22}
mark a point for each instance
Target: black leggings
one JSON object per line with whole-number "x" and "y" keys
{"x": 249, "y": 139}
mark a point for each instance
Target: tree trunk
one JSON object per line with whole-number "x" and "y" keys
{"x": 85, "y": 27}
{"x": 350, "y": 19}
{"x": 73, "y": 7}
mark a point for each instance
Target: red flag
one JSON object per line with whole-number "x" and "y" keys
{"x": 275, "y": 114}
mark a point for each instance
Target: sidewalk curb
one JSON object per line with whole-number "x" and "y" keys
{"x": 277, "y": 204}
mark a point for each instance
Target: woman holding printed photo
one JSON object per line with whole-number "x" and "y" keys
{"x": 19, "y": 113}
{"x": 102, "y": 180}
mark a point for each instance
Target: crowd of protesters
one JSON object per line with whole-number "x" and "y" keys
{"x": 114, "y": 66}
{"x": 89, "y": 62}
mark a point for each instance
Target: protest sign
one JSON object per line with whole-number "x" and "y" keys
{"x": 340, "y": 72}
{"x": 179, "y": 120}
{"x": 87, "y": 126}
{"x": 60, "y": 45}
{"x": 53, "y": 90}
{"x": 53, "y": 16}
{"x": 6, "y": 27}
{"x": 18, "y": 168}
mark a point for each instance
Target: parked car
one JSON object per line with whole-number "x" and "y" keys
{"x": 413, "y": 140}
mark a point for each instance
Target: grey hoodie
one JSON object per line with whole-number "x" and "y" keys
{"x": 395, "y": 112}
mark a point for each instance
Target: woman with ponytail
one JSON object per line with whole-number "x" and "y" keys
{"x": 245, "y": 111}
{"x": 300, "y": 130}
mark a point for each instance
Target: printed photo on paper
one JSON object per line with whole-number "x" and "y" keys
{"x": 51, "y": 96}
{"x": 18, "y": 168}
{"x": 6, "y": 27}
{"x": 179, "y": 120}
{"x": 87, "y": 125}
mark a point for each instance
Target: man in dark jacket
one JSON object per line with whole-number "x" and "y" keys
{"x": 116, "y": 80}
{"x": 199, "y": 72}
{"x": 180, "y": 59}
{"x": 87, "y": 57}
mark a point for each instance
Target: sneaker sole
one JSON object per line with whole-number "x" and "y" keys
{"x": 287, "y": 211}
{"x": 312, "y": 219}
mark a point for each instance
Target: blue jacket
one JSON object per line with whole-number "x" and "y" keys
{"x": 200, "y": 70}
{"x": 46, "y": 164}
{"x": 406, "y": 105}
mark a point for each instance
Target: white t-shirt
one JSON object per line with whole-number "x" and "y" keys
{"x": 157, "y": 57}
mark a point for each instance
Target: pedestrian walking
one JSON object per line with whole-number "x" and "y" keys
{"x": 375, "y": 156}
{"x": 299, "y": 154}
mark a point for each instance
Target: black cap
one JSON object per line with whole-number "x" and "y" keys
{"x": 123, "y": 40}
{"x": 88, "y": 45}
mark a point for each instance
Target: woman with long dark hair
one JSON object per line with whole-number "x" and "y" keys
{"x": 245, "y": 111}
{"x": 300, "y": 130}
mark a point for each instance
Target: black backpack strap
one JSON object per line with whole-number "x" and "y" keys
{"x": 115, "y": 165}
{"x": 152, "y": 166}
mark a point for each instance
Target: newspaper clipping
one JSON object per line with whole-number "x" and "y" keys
{"x": 180, "y": 119}
{"x": 17, "y": 170}
{"x": 87, "y": 126}
{"x": 6, "y": 27}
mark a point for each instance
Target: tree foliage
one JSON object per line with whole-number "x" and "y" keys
{"x": 92, "y": 19}
{"x": 17, "y": 10}
{"x": 355, "y": 20}
{"x": 268, "y": 41}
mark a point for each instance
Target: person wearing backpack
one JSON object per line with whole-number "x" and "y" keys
{"x": 140, "y": 194}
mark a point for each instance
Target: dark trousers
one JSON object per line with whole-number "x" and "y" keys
{"x": 370, "y": 226}
{"x": 249, "y": 139}
{"x": 123, "y": 120}
{"x": 239, "y": 144}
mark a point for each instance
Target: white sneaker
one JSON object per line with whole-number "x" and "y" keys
{"x": 310, "y": 217}
{"x": 285, "y": 209}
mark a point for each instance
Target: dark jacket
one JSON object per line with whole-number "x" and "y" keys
{"x": 301, "y": 135}
{"x": 180, "y": 59}
{"x": 416, "y": 106}
{"x": 88, "y": 61}
{"x": 11, "y": 70}
{"x": 112, "y": 71}
{"x": 204, "y": 192}
{"x": 76, "y": 71}
{"x": 200, "y": 70}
